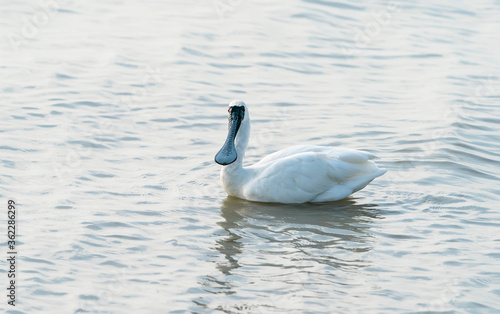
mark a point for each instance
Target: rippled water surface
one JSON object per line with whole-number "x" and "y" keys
{"x": 112, "y": 112}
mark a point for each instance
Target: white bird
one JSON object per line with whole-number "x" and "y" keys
{"x": 297, "y": 174}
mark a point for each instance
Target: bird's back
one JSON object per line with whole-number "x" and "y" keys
{"x": 307, "y": 173}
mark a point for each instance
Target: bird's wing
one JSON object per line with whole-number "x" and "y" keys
{"x": 294, "y": 179}
{"x": 301, "y": 176}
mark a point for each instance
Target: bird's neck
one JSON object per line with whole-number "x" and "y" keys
{"x": 234, "y": 176}
{"x": 241, "y": 143}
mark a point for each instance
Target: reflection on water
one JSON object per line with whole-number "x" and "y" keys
{"x": 291, "y": 247}
{"x": 113, "y": 111}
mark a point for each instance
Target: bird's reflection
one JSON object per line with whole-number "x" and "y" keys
{"x": 301, "y": 247}
{"x": 281, "y": 239}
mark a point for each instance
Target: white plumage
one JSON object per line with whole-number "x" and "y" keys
{"x": 297, "y": 174}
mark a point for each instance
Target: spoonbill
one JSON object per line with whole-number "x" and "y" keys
{"x": 297, "y": 174}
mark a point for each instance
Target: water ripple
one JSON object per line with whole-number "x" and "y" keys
{"x": 109, "y": 137}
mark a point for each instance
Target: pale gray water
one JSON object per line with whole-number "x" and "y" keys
{"x": 112, "y": 112}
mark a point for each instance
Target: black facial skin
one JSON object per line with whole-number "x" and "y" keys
{"x": 227, "y": 154}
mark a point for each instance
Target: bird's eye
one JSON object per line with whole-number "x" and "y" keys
{"x": 243, "y": 109}
{"x": 229, "y": 110}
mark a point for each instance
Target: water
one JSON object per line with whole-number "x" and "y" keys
{"x": 113, "y": 111}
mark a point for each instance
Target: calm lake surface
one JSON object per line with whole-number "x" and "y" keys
{"x": 112, "y": 112}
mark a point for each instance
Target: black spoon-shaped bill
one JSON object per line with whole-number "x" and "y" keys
{"x": 227, "y": 154}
